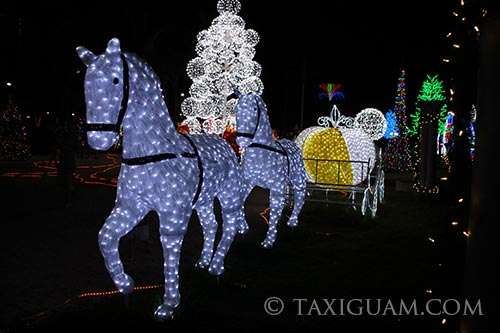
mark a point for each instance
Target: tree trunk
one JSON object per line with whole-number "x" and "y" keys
{"x": 428, "y": 134}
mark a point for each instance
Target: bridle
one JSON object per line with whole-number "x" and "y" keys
{"x": 107, "y": 127}
{"x": 252, "y": 135}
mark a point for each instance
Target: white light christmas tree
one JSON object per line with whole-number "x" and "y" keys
{"x": 224, "y": 63}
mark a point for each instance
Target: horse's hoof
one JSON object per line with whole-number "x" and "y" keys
{"x": 124, "y": 283}
{"x": 164, "y": 312}
{"x": 292, "y": 223}
{"x": 202, "y": 264}
{"x": 266, "y": 244}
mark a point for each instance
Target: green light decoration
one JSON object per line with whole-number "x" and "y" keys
{"x": 412, "y": 130}
{"x": 443, "y": 116}
{"x": 432, "y": 90}
{"x": 425, "y": 124}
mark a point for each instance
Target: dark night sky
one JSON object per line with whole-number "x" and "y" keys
{"x": 361, "y": 44}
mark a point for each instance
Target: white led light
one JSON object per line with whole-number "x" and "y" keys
{"x": 168, "y": 185}
{"x": 272, "y": 164}
{"x": 372, "y": 121}
{"x": 224, "y": 64}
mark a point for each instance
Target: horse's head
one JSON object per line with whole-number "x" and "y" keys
{"x": 104, "y": 91}
{"x": 247, "y": 119}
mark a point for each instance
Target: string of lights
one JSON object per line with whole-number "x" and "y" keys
{"x": 13, "y": 134}
{"x": 397, "y": 155}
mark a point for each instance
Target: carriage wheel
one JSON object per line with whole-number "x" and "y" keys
{"x": 374, "y": 201}
{"x": 381, "y": 187}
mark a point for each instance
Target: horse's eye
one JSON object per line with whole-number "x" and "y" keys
{"x": 116, "y": 81}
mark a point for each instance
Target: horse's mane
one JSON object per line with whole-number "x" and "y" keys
{"x": 152, "y": 121}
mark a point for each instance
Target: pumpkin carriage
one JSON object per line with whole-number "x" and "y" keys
{"x": 342, "y": 162}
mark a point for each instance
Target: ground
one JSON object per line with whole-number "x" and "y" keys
{"x": 50, "y": 256}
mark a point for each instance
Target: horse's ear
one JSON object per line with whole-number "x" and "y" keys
{"x": 87, "y": 56}
{"x": 113, "y": 46}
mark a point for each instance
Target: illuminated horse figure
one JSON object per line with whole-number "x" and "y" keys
{"x": 161, "y": 170}
{"x": 273, "y": 164}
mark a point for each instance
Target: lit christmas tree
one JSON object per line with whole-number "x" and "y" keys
{"x": 13, "y": 136}
{"x": 224, "y": 64}
{"x": 431, "y": 107}
{"x": 431, "y": 91}
{"x": 392, "y": 130}
{"x": 397, "y": 155}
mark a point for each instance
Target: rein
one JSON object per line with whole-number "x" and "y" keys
{"x": 252, "y": 135}
{"x": 261, "y": 145}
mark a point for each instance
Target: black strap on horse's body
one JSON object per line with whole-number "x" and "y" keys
{"x": 106, "y": 127}
{"x": 275, "y": 150}
{"x": 268, "y": 147}
{"x": 154, "y": 158}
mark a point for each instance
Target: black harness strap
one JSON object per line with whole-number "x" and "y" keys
{"x": 144, "y": 159}
{"x": 267, "y": 147}
{"x": 200, "y": 167}
{"x": 154, "y": 158}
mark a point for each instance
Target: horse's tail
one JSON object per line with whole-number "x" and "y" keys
{"x": 297, "y": 172}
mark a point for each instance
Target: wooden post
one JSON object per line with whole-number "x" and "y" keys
{"x": 482, "y": 248}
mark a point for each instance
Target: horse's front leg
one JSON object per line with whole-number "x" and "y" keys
{"x": 277, "y": 203}
{"x": 119, "y": 223}
{"x": 173, "y": 226}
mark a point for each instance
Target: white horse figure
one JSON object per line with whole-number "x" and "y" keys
{"x": 273, "y": 164}
{"x": 161, "y": 170}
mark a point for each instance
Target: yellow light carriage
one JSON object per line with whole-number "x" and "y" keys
{"x": 340, "y": 157}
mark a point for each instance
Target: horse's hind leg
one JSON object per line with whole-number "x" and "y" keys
{"x": 173, "y": 225}
{"x": 277, "y": 203}
{"x": 209, "y": 224}
{"x": 299, "y": 194}
{"x": 245, "y": 192}
{"x": 119, "y": 223}
{"x": 232, "y": 214}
